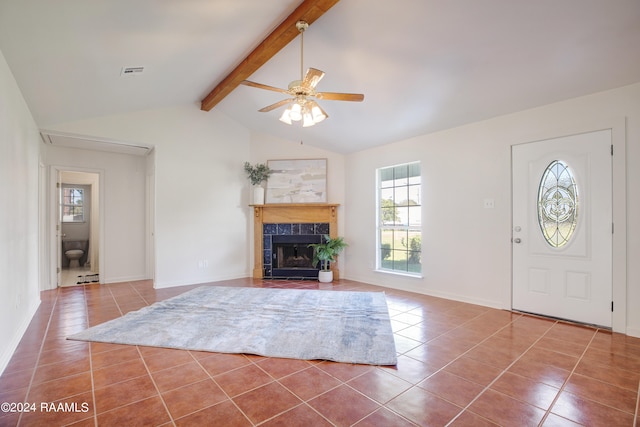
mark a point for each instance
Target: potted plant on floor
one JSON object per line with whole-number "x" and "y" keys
{"x": 257, "y": 175}
{"x": 325, "y": 253}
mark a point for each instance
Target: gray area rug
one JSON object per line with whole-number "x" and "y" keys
{"x": 350, "y": 327}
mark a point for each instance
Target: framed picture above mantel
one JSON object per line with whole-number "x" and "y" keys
{"x": 297, "y": 181}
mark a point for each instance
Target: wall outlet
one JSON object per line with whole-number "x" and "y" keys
{"x": 489, "y": 204}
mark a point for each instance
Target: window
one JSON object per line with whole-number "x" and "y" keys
{"x": 557, "y": 204}
{"x": 72, "y": 204}
{"x": 400, "y": 219}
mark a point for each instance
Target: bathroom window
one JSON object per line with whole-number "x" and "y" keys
{"x": 72, "y": 204}
{"x": 399, "y": 209}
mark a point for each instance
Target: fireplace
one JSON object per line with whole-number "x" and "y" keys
{"x": 291, "y": 256}
{"x": 282, "y": 233}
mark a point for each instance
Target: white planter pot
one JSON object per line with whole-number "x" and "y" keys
{"x": 325, "y": 276}
{"x": 258, "y": 195}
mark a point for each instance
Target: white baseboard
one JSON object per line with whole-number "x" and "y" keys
{"x": 9, "y": 349}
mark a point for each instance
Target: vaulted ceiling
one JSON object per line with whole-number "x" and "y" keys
{"x": 423, "y": 65}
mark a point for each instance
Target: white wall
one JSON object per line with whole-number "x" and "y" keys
{"x": 201, "y": 216}
{"x": 122, "y": 254}
{"x": 466, "y": 248}
{"x": 19, "y": 254}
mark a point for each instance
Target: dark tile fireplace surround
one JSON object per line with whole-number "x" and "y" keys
{"x": 282, "y": 234}
{"x": 286, "y": 253}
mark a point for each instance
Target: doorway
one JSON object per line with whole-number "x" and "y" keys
{"x": 562, "y": 228}
{"x": 78, "y": 227}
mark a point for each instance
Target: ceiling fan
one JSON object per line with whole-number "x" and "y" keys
{"x": 302, "y": 106}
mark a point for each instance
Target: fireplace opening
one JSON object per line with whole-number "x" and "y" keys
{"x": 292, "y": 256}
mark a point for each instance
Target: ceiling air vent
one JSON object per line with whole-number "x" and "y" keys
{"x": 131, "y": 71}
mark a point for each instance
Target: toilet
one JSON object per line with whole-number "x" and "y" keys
{"x": 74, "y": 256}
{"x": 74, "y": 251}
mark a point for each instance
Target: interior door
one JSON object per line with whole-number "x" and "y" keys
{"x": 59, "y": 234}
{"x": 562, "y": 228}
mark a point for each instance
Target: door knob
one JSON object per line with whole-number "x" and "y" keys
{"x": 517, "y": 240}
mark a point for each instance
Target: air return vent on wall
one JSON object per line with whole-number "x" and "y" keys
{"x": 131, "y": 71}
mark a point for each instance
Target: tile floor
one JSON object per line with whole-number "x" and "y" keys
{"x": 459, "y": 365}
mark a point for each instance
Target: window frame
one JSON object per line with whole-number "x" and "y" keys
{"x": 408, "y": 228}
{"x": 64, "y": 205}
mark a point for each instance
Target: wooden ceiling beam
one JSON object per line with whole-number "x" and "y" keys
{"x": 309, "y": 11}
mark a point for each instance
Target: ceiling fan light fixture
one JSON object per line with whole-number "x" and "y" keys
{"x": 318, "y": 114}
{"x": 296, "y": 112}
{"x": 286, "y": 116}
{"x": 307, "y": 119}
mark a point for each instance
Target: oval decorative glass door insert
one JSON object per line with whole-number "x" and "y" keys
{"x": 557, "y": 204}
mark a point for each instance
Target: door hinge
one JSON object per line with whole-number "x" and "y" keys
{"x": 612, "y": 149}
{"x": 58, "y": 270}
{"x": 57, "y": 185}
{"x": 612, "y": 306}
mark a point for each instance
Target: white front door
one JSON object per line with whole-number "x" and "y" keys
{"x": 562, "y": 228}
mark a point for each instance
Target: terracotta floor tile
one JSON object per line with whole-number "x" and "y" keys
{"x": 344, "y": 371}
{"x": 469, "y": 419}
{"x": 266, "y": 402}
{"x": 616, "y": 360}
{"x": 384, "y": 417}
{"x": 539, "y": 372}
{"x": 572, "y": 333}
{"x": 526, "y": 390}
{"x": 343, "y": 405}
{"x": 309, "y": 383}
{"x": 179, "y": 376}
{"x": 380, "y": 385}
{"x": 562, "y": 346}
{"x": 219, "y": 363}
{"x": 424, "y": 408}
{"x": 551, "y": 358}
{"x": 148, "y": 412}
{"x": 15, "y": 380}
{"x": 242, "y": 380}
{"x": 223, "y": 414}
{"x": 587, "y": 412}
{"x": 62, "y": 369}
{"x": 449, "y": 351}
{"x": 601, "y": 392}
{"x": 193, "y": 397}
{"x": 117, "y": 373}
{"x": 504, "y": 410}
{"x": 166, "y": 358}
{"x": 411, "y": 370}
{"x": 279, "y": 368}
{"x": 301, "y": 415}
{"x": 452, "y": 388}
{"x": 609, "y": 374}
{"x": 554, "y": 420}
{"x": 114, "y": 357}
{"x": 499, "y": 357}
{"x": 61, "y": 388}
{"x": 474, "y": 371}
{"x": 123, "y": 393}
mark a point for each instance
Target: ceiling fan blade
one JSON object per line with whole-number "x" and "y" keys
{"x": 261, "y": 86}
{"x": 336, "y": 96}
{"x": 312, "y": 78}
{"x": 276, "y": 105}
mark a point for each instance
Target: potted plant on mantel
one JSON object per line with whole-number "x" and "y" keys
{"x": 257, "y": 175}
{"x": 325, "y": 253}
